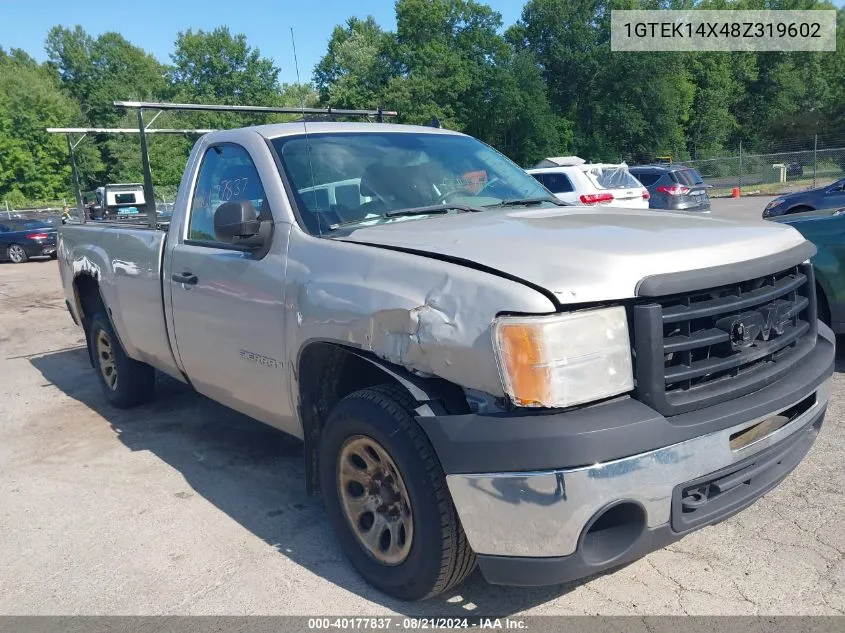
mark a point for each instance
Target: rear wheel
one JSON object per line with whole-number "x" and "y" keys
{"x": 126, "y": 382}
{"x": 16, "y": 254}
{"x": 387, "y": 499}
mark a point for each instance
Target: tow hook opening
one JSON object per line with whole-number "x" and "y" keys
{"x": 612, "y": 532}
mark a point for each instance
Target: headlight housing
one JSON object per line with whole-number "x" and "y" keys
{"x": 775, "y": 203}
{"x": 564, "y": 359}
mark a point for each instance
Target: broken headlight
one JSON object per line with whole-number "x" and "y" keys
{"x": 564, "y": 359}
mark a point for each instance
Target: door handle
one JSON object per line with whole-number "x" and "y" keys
{"x": 186, "y": 278}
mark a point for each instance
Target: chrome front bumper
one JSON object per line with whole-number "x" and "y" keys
{"x": 543, "y": 514}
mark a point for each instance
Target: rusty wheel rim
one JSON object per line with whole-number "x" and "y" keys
{"x": 375, "y": 500}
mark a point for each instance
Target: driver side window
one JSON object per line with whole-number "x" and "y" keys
{"x": 227, "y": 174}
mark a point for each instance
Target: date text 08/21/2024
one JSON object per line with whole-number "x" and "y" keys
{"x": 383, "y": 623}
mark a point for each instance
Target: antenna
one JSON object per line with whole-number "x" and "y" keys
{"x": 305, "y": 130}
{"x": 298, "y": 81}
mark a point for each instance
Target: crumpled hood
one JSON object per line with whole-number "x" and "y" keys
{"x": 585, "y": 254}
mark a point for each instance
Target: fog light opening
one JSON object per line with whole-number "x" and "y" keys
{"x": 612, "y": 532}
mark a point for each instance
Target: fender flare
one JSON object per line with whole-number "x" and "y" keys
{"x": 427, "y": 390}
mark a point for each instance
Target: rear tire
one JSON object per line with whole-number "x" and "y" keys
{"x": 126, "y": 382}
{"x": 16, "y": 254}
{"x": 433, "y": 554}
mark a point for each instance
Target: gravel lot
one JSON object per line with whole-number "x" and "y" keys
{"x": 183, "y": 507}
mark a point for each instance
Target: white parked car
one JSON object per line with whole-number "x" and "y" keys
{"x": 575, "y": 181}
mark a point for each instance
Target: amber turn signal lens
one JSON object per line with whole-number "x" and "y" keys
{"x": 523, "y": 356}
{"x": 566, "y": 359}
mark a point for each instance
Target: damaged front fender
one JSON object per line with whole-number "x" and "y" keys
{"x": 426, "y": 315}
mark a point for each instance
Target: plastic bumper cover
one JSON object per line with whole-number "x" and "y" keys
{"x": 529, "y": 525}
{"x": 759, "y": 473}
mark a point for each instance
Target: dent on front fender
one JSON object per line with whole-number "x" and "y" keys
{"x": 429, "y": 316}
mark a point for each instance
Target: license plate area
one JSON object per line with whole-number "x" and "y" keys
{"x": 714, "y": 497}
{"x": 746, "y": 437}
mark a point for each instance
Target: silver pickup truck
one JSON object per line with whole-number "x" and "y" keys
{"x": 479, "y": 375}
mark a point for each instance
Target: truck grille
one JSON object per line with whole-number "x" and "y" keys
{"x": 697, "y": 349}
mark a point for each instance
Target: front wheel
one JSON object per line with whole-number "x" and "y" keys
{"x": 16, "y": 254}
{"x": 387, "y": 499}
{"x": 126, "y": 382}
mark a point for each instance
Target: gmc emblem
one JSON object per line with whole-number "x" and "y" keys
{"x": 766, "y": 322}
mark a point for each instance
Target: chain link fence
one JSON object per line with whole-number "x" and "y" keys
{"x": 785, "y": 166}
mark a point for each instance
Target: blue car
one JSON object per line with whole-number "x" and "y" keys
{"x": 21, "y": 239}
{"x": 827, "y": 197}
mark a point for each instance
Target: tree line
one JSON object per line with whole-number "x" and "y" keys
{"x": 546, "y": 85}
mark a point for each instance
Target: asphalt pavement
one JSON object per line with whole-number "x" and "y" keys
{"x": 184, "y": 507}
{"x": 745, "y": 207}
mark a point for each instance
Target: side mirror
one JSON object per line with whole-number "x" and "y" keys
{"x": 237, "y": 223}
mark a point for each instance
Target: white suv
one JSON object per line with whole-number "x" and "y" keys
{"x": 575, "y": 181}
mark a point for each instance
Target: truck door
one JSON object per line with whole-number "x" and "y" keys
{"x": 227, "y": 305}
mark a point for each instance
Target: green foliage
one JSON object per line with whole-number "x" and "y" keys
{"x": 357, "y": 67}
{"x": 447, "y": 59}
{"x": 833, "y": 113}
{"x": 33, "y": 163}
{"x": 218, "y": 67}
{"x": 547, "y": 85}
{"x": 99, "y": 71}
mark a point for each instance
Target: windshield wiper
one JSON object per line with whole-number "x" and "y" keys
{"x": 526, "y": 202}
{"x": 432, "y": 210}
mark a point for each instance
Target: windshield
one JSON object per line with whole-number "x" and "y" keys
{"x": 366, "y": 176}
{"x": 612, "y": 177}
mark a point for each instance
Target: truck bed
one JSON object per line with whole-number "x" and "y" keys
{"x": 127, "y": 261}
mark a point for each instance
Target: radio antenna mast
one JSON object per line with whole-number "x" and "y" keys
{"x": 305, "y": 130}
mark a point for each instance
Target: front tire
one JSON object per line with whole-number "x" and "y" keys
{"x": 16, "y": 254}
{"x": 126, "y": 382}
{"x": 387, "y": 499}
